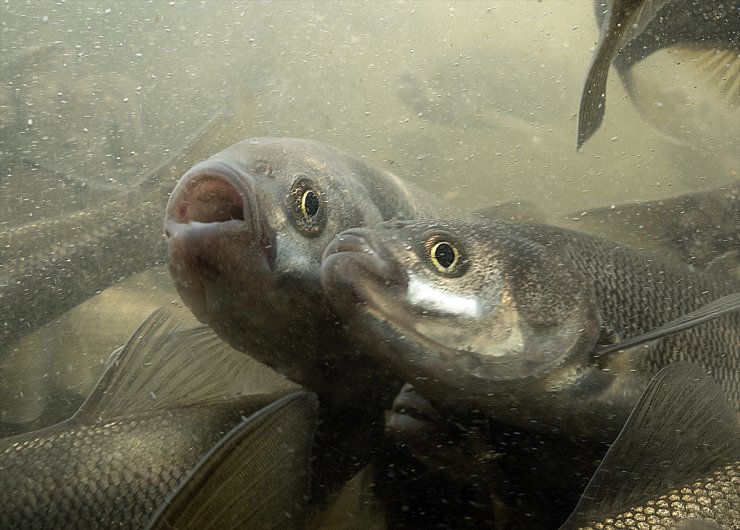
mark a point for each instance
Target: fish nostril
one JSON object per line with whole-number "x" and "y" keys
{"x": 210, "y": 200}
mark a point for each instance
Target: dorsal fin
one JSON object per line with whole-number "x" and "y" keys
{"x": 682, "y": 428}
{"x": 164, "y": 367}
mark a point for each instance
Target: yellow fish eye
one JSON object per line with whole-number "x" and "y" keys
{"x": 310, "y": 204}
{"x": 307, "y": 207}
{"x": 444, "y": 256}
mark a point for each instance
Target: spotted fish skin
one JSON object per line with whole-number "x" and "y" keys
{"x": 713, "y": 499}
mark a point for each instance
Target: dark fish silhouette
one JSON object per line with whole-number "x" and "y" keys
{"x": 49, "y": 267}
{"x": 633, "y": 29}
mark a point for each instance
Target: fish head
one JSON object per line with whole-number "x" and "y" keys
{"x": 464, "y": 311}
{"x": 246, "y": 230}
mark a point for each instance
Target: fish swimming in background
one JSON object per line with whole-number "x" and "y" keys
{"x": 49, "y": 267}
{"x": 631, "y": 30}
{"x": 701, "y": 228}
{"x": 174, "y": 428}
{"x": 676, "y": 463}
{"x": 510, "y": 319}
{"x": 246, "y": 230}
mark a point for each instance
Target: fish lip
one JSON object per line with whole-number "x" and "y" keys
{"x": 353, "y": 250}
{"x": 192, "y": 201}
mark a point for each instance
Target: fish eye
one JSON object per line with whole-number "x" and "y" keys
{"x": 445, "y": 255}
{"x": 310, "y": 204}
{"x": 307, "y": 207}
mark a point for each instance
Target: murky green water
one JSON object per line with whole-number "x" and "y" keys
{"x": 474, "y": 101}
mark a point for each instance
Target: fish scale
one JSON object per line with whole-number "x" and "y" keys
{"x": 653, "y": 293}
{"x": 716, "y": 495}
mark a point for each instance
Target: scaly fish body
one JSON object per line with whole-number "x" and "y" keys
{"x": 106, "y": 475}
{"x": 246, "y": 230}
{"x": 172, "y": 407}
{"x": 701, "y": 228}
{"x": 675, "y": 465}
{"x": 506, "y": 319}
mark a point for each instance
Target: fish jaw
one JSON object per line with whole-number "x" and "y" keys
{"x": 215, "y": 233}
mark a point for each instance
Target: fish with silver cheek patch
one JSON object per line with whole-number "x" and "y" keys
{"x": 246, "y": 230}
{"x": 516, "y": 320}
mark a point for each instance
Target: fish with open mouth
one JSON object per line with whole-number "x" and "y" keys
{"x": 173, "y": 435}
{"x": 516, "y": 320}
{"x": 246, "y": 230}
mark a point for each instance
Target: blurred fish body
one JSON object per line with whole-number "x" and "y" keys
{"x": 509, "y": 319}
{"x": 171, "y": 414}
{"x": 701, "y": 228}
{"x": 49, "y": 267}
{"x": 676, "y": 463}
{"x": 246, "y": 230}
{"x": 631, "y": 30}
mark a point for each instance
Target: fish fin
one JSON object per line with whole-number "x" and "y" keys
{"x": 721, "y": 66}
{"x": 163, "y": 367}
{"x": 624, "y": 20}
{"x": 593, "y": 97}
{"x": 257, "y": 476}
{"x": 355, "y": 506}
{"x": 681, "y": 428}
{"x": 707, "y": 312}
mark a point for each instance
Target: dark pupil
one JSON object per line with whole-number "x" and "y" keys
{"x": 444, "y": 254}
{"x": 311, "y": 203}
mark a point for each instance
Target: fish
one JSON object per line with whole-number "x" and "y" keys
{"x": 509, "y": 319}
{"x": 50, "y": 266}
{"x": 676, "y": 462}
{"x": 246, "y": 230}
{"x": 173, "y": 435}
{"x": 700, "y": 228}
{"x": 631, "y": 30}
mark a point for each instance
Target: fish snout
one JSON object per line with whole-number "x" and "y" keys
{"x": 352, "y": 260}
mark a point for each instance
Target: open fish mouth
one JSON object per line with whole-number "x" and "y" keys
{"x": 215, "y": 233}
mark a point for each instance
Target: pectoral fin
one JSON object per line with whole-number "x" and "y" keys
{"x": 164, "y": 367}
{"x": 257, "y": 476}
{"x": 707, "y": 312}
{"x": 682, "y": 428}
